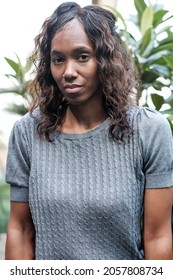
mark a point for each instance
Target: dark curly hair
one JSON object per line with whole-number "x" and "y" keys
{"x": 115, "y": 69}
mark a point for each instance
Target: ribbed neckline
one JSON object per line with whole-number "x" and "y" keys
{"x": 87, "y": 134}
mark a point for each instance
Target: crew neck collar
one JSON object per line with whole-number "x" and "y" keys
{"x": 87, "y": 134}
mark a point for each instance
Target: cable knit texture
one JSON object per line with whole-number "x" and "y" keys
{"x": 86, "y": 190}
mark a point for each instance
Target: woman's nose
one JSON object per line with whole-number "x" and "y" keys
{"x": 70, "y": 71}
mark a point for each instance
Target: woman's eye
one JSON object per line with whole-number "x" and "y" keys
{"x": 57, "y": 60}
{"x": 83, "y": 57}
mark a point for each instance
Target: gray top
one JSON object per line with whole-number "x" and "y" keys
{"x": 85, "y": 190}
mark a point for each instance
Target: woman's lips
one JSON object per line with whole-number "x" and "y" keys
{"x": 72, "y": 88}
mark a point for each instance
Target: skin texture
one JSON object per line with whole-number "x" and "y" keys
{"x": 157, "y": 224}
{"x": 73, "y": 63}
{"x": 74, "y": 69}
{"x": 20, "y": 241}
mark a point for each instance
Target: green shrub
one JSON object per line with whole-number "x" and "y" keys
{"x": 4, "y": 206}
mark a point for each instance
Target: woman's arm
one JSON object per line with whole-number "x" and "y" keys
{"x": 20, "y": 243}
{"x": 157, "y": 224}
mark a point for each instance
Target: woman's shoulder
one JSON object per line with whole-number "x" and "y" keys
{"x": 151, "y": 126}
{"x": 30, "y": 117}
{"x": 28, "y": 122}
{"x": 145, "y": 116}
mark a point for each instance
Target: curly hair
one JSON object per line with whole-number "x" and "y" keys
{"x": 115, "y": 69}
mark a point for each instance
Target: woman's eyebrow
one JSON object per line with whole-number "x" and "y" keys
{"x": 55, "y": 52}
{"x": 81, "y": 49}
{"x": 76, "y": 50}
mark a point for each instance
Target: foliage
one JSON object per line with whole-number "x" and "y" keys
{"x": 4, "y": 197}
{"x": 151, "y": 46}
{"x": 19, "y": 82}
{"x": 4, "y": 206}
{"x": 19, "y": 86}
{"x": 150, "y": 42}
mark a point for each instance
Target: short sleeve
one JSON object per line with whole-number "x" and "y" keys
{"x": 156, "y": 144}
{"x": 18, "y": 165}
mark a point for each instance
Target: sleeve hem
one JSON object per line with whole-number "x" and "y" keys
{"x": 159, "y": 180}
{"x": 20, "y": 194}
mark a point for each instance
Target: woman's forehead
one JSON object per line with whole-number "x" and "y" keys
{"x": 72, "y": 33}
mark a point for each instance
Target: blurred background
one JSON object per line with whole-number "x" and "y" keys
{"x": 146, "y": 28}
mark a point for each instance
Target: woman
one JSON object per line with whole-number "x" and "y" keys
{"x": 86, "y": 165}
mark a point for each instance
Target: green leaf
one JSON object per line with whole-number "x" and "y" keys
{"x": 157, "y": 56}
{"x": 168, "y": 39}
{"x": 140, "y": 59}
{"x": 158, "y": 17}
{"x": 28, "y": 65}
{"x": 4, "y": 206}
{"x": 169, "y": 16}
{"x": 20, "y": 85}
{"x": 10, "y": 76}
{"x": 168, "y": 60}
{"x": 140, "y": 7}
{"x": 169, "y": 100}
{"x": 167, "y": 46}
{"x": 148, "y": 77}
{"x": 158, "y": 85}
{"x": 17, "y": 109}
{"x": 146, "y": 20}
{"x": 161, "y": 70}
{"x": 13, "y": 64}
{"x": 168, "y": 111}
{"x": 165, "y": 29}
{"x": 171, "y": 125}
{"x": 157, "y": 100}
{"x": 10, "y": 90}
{"x": 145, "y": 40}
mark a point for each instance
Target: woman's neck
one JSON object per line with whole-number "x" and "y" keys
{"x": 77, "y": 120}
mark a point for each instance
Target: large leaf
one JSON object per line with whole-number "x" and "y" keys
{"x": 140, "y": 59}
{"x": 167, "y": 46}
{"x": 168, "y": 60}
{"x": 146, "y": 20}
{"x": 149, "y": 77}
{"x": 158, "y": 17}
{"x": 13, "y": 64}
{"x": 140, "y": 7}
{"x": 168, "y": 39}
{"x": 163, "y": 29}
{"x": 10, "y": 90}
{"x": 158, "y": 85}
{"x": 161, "y": 70}
{"x": 151, "y": 59}
{"x": 168, "y": 17}
{"x": 145, "y": 40}
{"x": 157, "y": 100}
{"x": 168, "y": 111}
{"x": 169, "y": 100}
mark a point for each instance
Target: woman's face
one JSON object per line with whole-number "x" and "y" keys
{"x": 73, "y": 64}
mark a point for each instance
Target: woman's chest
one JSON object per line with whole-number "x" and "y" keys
{"x": 86, "y": 174}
